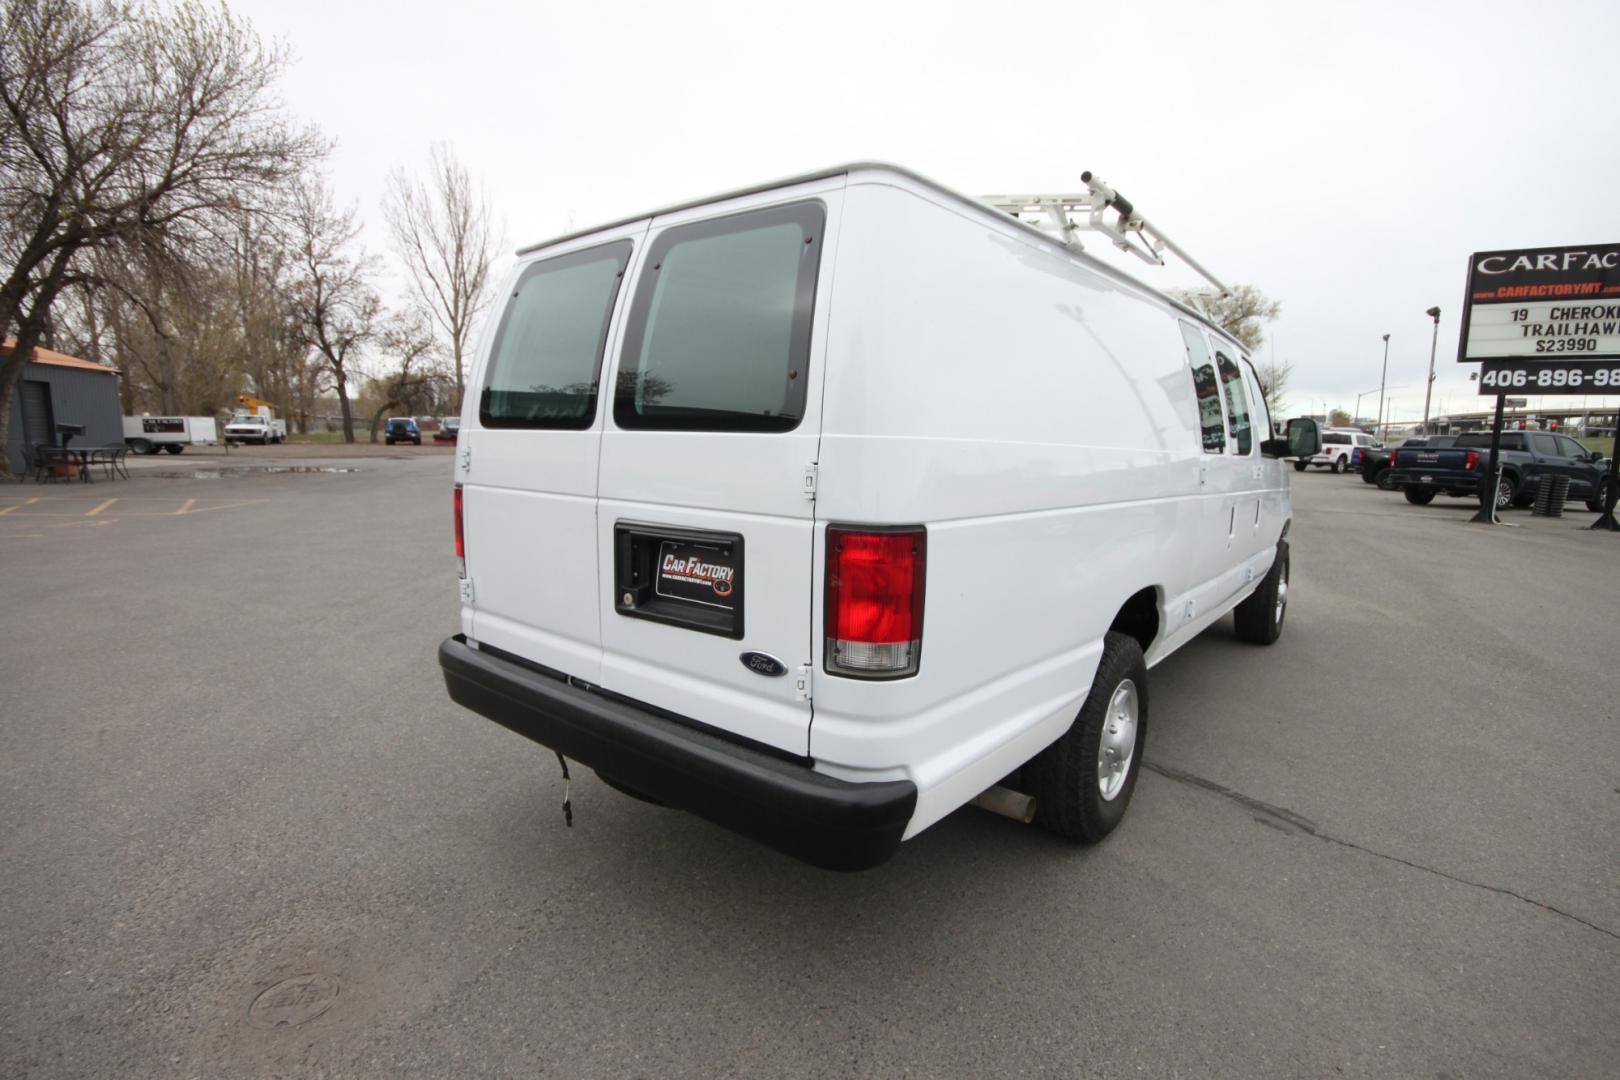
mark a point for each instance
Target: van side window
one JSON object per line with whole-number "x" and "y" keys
{"x": 1207, "y": 389}
{"x": 719, "y": 332}
{"x": 546, "y": 360}
{"x": 1262, "y": 411}
{"x": 1237, "y": 403}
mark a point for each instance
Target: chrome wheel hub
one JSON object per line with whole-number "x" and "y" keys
{"x": 1282, "y": 596}
{"x": 1118, "y": 744}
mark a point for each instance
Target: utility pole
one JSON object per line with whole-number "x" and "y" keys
{"x": 1383, "y": 377}
{"x": 1433, "y": 313}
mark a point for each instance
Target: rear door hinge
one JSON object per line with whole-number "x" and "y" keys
{"x": 810, "y": 474}
{"x": 801, "y": 683}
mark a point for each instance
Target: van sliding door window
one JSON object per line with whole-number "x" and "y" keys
{"x": 1207, "y": 388}
{"x": 1237, "y": 403}
{"x": 547, "y": 358}
{"x": 718, "y": 337}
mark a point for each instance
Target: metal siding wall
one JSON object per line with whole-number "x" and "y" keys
{"x": 77, "y": 397}
{"x": 14, "y": 432}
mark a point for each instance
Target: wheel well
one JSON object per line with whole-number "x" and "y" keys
{"x": 1139, "y": 618}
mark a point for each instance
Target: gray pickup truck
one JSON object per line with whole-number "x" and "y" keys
{"x": 1458, "y": 470}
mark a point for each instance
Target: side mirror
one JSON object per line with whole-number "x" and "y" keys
{"x": 1304, "y": 440}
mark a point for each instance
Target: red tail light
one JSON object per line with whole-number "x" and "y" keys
{"x": 461, "y": 539}
{"x": 874, "y": 613}
{"x": 1472, "y": 460}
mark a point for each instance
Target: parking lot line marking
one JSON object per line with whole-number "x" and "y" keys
{"x": 100, "y": 508}
{"x": 25, "y": 502}
{"x": 187, "y": 505}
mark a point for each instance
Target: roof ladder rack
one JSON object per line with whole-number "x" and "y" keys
{"x": 1066, "y": 215}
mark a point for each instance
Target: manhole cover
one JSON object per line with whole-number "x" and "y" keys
{"x": 293, "y": 1001}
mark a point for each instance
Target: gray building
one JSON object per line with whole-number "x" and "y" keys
{"x": 61, "y": 389}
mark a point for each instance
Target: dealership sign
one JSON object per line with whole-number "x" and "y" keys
{"x": 1540, "y": 315}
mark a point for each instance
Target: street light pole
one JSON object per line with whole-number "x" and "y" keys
{"x": 1433, "y": 313}
{"x": 1383, "y": 377}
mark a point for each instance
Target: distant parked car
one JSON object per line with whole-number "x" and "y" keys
{"x": 449, "y": 427}
{"x": 402, "y": 429}
{"x": 1341, "y": 448}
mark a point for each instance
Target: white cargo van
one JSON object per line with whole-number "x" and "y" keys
{"x": 821, "y": 508}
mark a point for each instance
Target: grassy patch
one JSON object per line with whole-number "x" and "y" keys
{"x": 1605, "y": 445}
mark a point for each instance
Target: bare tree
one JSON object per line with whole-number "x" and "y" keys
{"x": 408, "y": 340}
{"x": 1274, "y": 375}
{"x": 1240, "y": 312}
{"x": 335, "y": 309}
{"x": 443, "y": 233}
{"x": 125, "y": 127}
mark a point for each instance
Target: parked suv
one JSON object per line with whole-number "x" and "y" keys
{"x": 402, "y": 429}
{"x": 823, "y": 580}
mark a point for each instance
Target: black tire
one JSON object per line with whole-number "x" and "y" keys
{"x": 1338, "y": 464}
{"x": 390, "y": 442}
{"x": 1507, "y": 490}
{"x": 140, "y": 446}
{"x": 1064, "y": 778}
{"x": 1420, "y": 496}
{"x": 1369, "y": 474}
{"x": 417, "y": 440}
{"x": 173, "y": 448}
{"x": 1300, "y": 466}
{"x": 1385, "y": 480}
{"x": 1595, "y": 503}
{"x": 1259, "y": 619}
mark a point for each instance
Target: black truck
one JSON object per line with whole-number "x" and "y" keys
{"x": 1458, "y": 470}
{"x": 1376, "y": 465}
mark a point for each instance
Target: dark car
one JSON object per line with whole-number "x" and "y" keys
{"x": 402, "y": 429}
{"x": 1375, "y": 464}
{"x": 449, "y": 427}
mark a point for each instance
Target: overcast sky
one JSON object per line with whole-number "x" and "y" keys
{"x": 1344, "y": 158}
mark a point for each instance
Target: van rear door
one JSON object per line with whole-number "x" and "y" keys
{"x": 706, "y": 512}
{"x": 529, "y": 452}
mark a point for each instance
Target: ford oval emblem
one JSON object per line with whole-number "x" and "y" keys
{"x": 763, "y": 664}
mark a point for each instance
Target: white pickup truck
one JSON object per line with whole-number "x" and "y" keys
{"x": 254, "y": 427}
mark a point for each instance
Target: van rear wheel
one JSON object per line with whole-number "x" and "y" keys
{"x": 1083, "y": 782}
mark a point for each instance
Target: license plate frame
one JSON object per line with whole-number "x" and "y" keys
{"x": 687, "y": 578}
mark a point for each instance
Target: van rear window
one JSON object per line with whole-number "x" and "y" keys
{"x": 547, "y": 357}
{"x": 719, "y": 332}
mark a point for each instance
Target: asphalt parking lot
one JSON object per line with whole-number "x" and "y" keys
{"x": 1389, "y": 845}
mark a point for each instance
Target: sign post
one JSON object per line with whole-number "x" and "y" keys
{"x": 1543, "y": 321}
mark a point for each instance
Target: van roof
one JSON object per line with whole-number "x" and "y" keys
{"x": 968, "y": 201}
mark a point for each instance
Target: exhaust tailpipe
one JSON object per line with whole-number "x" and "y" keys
{"x": 1007, "y": 803}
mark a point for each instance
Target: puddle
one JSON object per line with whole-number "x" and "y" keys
{"x": 293, "y": 1001}
{"x": 244, "y": 470}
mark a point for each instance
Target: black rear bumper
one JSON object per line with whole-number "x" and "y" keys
{"x": 827, "y": 822}
{"x": 1452, "y": 483}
